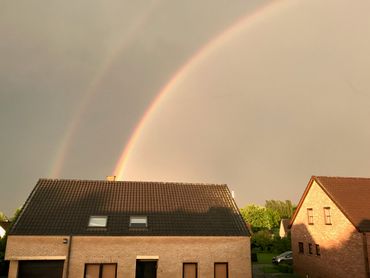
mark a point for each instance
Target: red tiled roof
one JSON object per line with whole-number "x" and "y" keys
{"x": 352, "y": 196}
{"x": 63, "y": 207}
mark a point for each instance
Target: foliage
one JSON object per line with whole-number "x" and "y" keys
{"x": 280, "y": 245}
{"x": 259, "y": 217}
{"x": 284, "y": 209}
{"x": 262, "y": 241}
{"x": 265, "y": 258}
{"x": 265, "y": 223}
{"x": 2, "y": 216}
{"x": 15, "y": 215}
{"x": 268, "y": 217}
{"x": 274, "y": 218}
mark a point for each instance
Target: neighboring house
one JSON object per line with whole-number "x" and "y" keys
{"x": 330, "y": 229}
{"x": 284, "y": 227}
{"x": 82, "y": 228}
{"x": 4, "y": 226}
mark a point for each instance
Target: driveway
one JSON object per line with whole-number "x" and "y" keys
{"x": 257, "y": 270}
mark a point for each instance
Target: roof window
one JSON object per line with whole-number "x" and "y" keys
{"x": 138, "y": 221}
{"x": 98, "y": 221}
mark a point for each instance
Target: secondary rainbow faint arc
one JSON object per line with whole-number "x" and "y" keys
{"x": 92, "y": 87}
{"x": 180, "y": 74}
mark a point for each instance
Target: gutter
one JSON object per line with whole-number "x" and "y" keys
{"x": 68, "y": 256}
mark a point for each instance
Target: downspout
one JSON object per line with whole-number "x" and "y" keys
{"x": 68, "y": 256}
{"x": 366, "y": 255}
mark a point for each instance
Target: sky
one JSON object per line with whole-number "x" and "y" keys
{"x": 260, "y": 95}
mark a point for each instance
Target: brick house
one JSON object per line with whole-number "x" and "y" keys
{"x": 95, "y": 229}
{"x": 330, "y": 228}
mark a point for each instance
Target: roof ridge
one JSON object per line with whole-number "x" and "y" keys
{"x": 341, "y": 177}
{"x": 133, "y": 181}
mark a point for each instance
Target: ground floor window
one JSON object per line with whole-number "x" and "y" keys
{"x": 190, "y": 270}
{"x": 100, "y": 270}
{"x": 221, "y": 270}
{"x": 318, "y": 252}
{"x": 310, "y": 249}
{"x": 300, "y": 247}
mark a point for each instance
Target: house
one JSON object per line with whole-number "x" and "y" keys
{"x": 284, "y": 227}
{"x": 4, "y": 226}
{"x": 330, "y": 228}
{"x": 85, "y": 228}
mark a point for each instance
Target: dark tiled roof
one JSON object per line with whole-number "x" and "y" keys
{"x": 63, "y": 207}
{"x": 351, "y": 195}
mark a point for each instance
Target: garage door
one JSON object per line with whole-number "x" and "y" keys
{"x": 40, "y": 269}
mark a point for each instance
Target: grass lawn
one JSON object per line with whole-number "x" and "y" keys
{"x": 270, "y": 269}
{"x": 265, "y": 258}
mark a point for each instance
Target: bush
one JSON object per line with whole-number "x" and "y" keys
{"x": 265, "y": 241}
{"x": 262, "y": 241}
{"x": 280, "y": 245}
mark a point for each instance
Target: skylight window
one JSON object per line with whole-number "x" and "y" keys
{"x": 138, "y": 221}
{"x": 98, "y": 221}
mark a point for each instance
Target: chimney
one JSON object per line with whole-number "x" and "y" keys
{"x": 110, "y": 178}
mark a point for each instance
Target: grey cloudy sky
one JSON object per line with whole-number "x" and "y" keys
{"x": 285, "y": 96}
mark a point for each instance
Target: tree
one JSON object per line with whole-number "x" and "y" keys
{"x": 284, "y": 209}
{"x": 258, "y": 217}
{"x": 2, "y": 216}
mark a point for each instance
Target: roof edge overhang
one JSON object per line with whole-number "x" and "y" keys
{"x": 308, "y": 187}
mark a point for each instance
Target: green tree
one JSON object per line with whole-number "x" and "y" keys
{"x": 274, "y": 218}
{"x": 261, "y": 241}
{"x": 2, "y": 216}
{"x": 284, "y": 209}
{"x": 258, "y": 217}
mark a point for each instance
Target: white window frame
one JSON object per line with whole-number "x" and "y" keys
{"x": 98, "y": 221}
{"x": 138, "y": 221}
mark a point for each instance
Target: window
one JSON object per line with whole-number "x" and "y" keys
{"x": 300, "y": 247}
{"x": 310, "y": 216}
{"x": 327, "y": 216}
{"x": 221, "y": 270}
{"x": 318, "y": 251}
{"x": 138, "y": 221}
{"x": 310, "y": 247}
{"x": 189, "y": 270}
{"x": 98, "y": 221}
{"x": 100, "y": 270}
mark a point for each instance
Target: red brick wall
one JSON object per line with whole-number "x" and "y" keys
{"x": 342, "y": 253}
{"x": 172, "y": 252}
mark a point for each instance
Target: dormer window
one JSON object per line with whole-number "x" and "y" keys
{"x": 98, "y": 221}
{"x": 138, "y": 221}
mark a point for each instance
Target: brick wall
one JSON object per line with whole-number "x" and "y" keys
{"x": 171, "y": 252}
{"x": 341, "y": 246}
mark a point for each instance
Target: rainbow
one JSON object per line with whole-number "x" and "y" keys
{"x": 93, "y": 86}
{"x": 182, "y": 72}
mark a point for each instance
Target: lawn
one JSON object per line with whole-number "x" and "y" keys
{"x": 266, "y": 266}
{"x": 265, "y": 258}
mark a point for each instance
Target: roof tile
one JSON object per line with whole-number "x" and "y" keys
{"x": 63, "y": 207}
